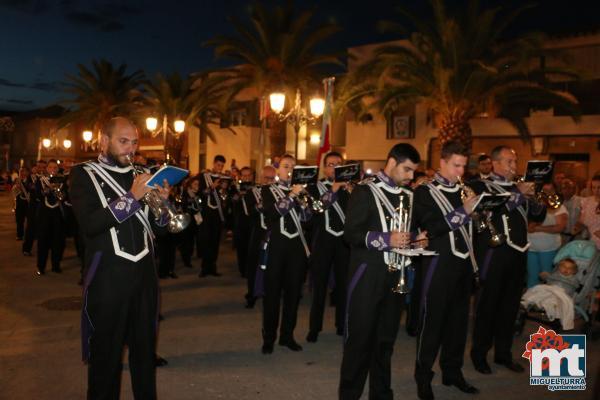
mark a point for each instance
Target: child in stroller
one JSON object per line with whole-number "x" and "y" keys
{"x": 570, "y": 290}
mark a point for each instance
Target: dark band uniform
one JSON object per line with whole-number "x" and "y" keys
{"x": 329, "y": 254}
{"x": 120, "y": 290}
{"x": 21, "y": 206}
{"x": 213, "y": 215}
{"x": 32, "y": 213}
{"x": 287, "y": 257}
{"x": 258, "y": 230}
{"x": 51, "y": 224}
{"x": 502, "y": 270}
{"x": 448, "y": 277}
{"x": 373, "y": 310}
{"x": 242, "y": 227}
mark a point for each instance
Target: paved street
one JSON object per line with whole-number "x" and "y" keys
{"x": 211, "y": 341}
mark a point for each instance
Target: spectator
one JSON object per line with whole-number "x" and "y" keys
{"x": 545, "y": 239}
{"x": 590, "y": 212}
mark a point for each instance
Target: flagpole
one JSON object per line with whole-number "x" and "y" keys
{"x": 325, "y": 145}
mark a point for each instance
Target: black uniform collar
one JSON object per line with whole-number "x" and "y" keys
{"x": 443, "y": 181}
{"x": 110, "y": 164}
{"x": 387, "y": 180}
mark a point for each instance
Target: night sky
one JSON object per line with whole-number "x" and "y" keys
{"x": 42, "y": 40}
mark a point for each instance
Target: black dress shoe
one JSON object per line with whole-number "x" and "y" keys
{"x": 57, "y": 270}
{"x": 511, "y": 365}
{"x": 202, "y": 274}
{"x": 188, "y": 265}
{"x": 27, "y": 253}
{"x": 173, "y": 275}
{"x": 461, "y": 384}
{"x": 312, "y": 337}
{"x": 267, "y": 348}
{"x": 160, "y": 362}
{"x": 424, "y": 391}
{"x": 163, "y": 276}
{"x": 482, "y": 367}
{"x": 290, "y": 344}
{"x": 250, "y": 303}
{"x": 39, "y": 273}
{"x": 215, "y": 274}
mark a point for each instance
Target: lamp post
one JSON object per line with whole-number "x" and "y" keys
{"x": 53, "y": 143}
{"x": 178, "y": 129}
{"x": 297, "y": 116}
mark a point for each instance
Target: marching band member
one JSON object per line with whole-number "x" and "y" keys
{"x": 192, "y": 205}
{"x": 22, "y": 196}
{"x": 213, "y": 215}
{"x": 373, "y": 310}
{"x": 120, "y": 289}
{"x": 329, "y": 252}
{"x": 242, "y": 219}
{"x": 287, "y": 256}
{"x": 258, "y": 230}
{"x": 503, "y": 265}
{"x": 34, "y": 206}
{"x": 51, "y": 223}
{"x": 446, "y": 289}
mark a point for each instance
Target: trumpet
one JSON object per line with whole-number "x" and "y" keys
{"x": 176, "y": 222}
{"x": 54, "y": 184}
{"x": 553, "y": 201}
{"x": 465, "y": 193}
{"x": 399, "y": 223}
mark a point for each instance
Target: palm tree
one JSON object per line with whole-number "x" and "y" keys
{"x": 276, "y": 49}
{"x": 100, "y": 93}
{"x": 194, "y": 100}
{"x": 458, "y": 67}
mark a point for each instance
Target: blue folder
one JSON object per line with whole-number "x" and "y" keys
{"x": 172, "y": 174}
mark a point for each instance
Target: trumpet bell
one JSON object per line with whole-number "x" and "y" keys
{"x": 178, "y": 223}
{"x": 497, "y": 240}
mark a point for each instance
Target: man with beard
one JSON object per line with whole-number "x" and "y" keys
{"x": 120, "y": 288}
{"x": 373, "y": 310}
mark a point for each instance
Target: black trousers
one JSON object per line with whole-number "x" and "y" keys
{"x": 502, "y": 278}
{"x": 286, "y": 267}
{"x": 30, "y": 228}
{"x": 373, "y": 318}
{"x": 211, "y": 239}
{"x": 257, "y": 235}
{"x": 166, "y": 249}
{"x": 51, "y": 237}
{"x": 241, "y": 240}
{"x": 21, "y": 208}
{"x": 445, "y": 291}
{"x": 329, "y": 253}
{"x": 414, "y": 306}
{"x": 186, "y": 240}
{"x": 121, "y": 304}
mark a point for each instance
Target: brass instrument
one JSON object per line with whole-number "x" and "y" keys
{"x": 466, "y": 192}
{"x": 399, "y": 223}
{"x": 552, "y": 201}
{"x": 54, "y": 183}
{"x": 496, "y": 238}
{"x": 176, "y": 222}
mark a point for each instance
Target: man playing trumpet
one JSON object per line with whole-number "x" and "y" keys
{"x": 373, "y": 309}
{"x": 502, "y": 263}
{"x": 443, "y": 208}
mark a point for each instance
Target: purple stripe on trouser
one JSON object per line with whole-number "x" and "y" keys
{"x": 486, "y": 264}
{"x": 86, "y": 324}
{"x": 259, "y": 282}
{"x": 355, "y": 278}
{"x": 427, "y": 282}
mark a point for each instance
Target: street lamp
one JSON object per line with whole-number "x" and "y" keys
{"x": 297, "y": 116}
{"x": 178, "y": 129}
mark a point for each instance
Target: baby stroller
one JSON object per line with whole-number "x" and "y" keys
{"x": 587, "y": 258}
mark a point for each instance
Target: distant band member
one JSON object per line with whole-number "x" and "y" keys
{"x": 21, "y": 192}
{"x": 373, "y": 310}
{"x": 213, "y": 215}
{"x": 242, "y": 220}
{"x": 503, "y": 267}
{"x": 329, "y": 253}
{"x": 258, "y": 230}
{"x": 287, "y": 257}
{"x": 121, "y": 289}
